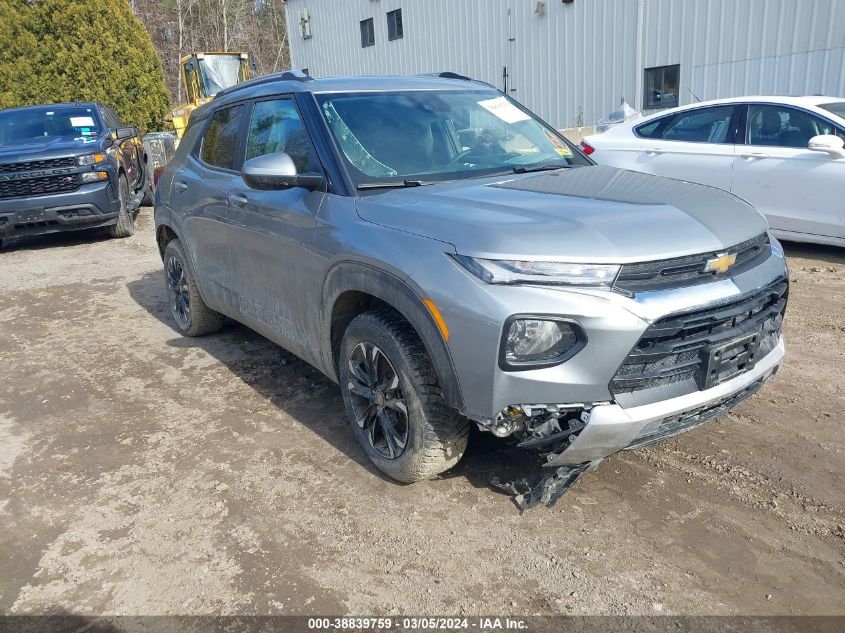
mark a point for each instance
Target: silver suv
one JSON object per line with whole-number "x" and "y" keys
{"x": 450, "y": 259}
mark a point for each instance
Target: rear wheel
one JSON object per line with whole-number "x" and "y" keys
{"x": 125, "y": 217}
{"x": 192, "y": 316}
{"x": 394, "y": 401}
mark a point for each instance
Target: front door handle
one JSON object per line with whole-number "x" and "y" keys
{"x": 237, "y": 200}
{"x": 654, "y": 151}
{"x": 754, "y": 155}
{"x": 180, "y": 185}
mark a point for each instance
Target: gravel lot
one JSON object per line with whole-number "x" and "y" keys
{"x": 145, "y": 473}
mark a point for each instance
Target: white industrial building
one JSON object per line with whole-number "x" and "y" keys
{"x": 573, "y": 61}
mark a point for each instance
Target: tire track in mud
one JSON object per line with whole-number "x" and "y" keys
{"x": 753, "y": 489}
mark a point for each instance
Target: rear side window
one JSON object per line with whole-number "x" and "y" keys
{"x": 653, "y": 129}
{"x": 277, "y": 127}
{"x": 704, "y": 125}
{"x": 220, "y": 143}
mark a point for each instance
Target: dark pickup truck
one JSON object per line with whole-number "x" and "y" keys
{"x": 69, "y": 166}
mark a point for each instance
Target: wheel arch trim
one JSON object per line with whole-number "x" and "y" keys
{"x": 391, "y": 289}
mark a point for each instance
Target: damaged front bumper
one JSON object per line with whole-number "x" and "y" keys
{"x": 575, "y": 438}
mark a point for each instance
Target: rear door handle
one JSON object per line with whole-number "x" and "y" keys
{"x": 654, "y": 151}
{"x": 754, "y": 155}
{"x": 237, "y": 200}
{"x": 180, "y": 185}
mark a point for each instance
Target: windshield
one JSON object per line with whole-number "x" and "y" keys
{"x": 837, "y": 108}
{"x": 80, "y": 123}
{"x": 439, "y": 135}
{"x": 219, "y": 72}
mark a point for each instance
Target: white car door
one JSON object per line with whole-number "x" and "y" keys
{"x": 799, "y": 190}
{"x": 694, "y": 144}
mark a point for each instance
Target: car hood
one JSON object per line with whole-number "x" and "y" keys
{"x": 48, "y": 147}
{"x": 595, "y": 214}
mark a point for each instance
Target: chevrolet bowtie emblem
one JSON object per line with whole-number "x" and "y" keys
{"x": 720, "y": 263}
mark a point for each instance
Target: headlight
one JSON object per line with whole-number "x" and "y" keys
{"x": 532, "y": 342}
{"x": 90, "y": 159}
{"x": 511, "y": 271}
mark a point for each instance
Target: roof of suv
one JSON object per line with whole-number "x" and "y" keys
{"x": 296, "y": 82}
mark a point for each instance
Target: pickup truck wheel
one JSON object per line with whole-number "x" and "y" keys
{"x": 394, "y": 401}
{"x": 192, "y": 316}
{"x": 7, "y": 242}
{"x": 125, "y": 221}
{"x": 148, "y": 198}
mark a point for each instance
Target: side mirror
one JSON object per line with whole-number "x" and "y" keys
{"x": 123, "y": 133}
{"x": 829, "y": 144}
{"x": 278, "y": 171}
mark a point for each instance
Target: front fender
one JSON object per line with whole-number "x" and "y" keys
{"x": 408, "y": 301}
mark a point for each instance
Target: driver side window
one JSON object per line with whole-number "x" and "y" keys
{"x": 782, "y": 126}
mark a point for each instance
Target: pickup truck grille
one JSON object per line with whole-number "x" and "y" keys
{"x": 38, "y": 186}
{"x": 689, "y": 270}
{"x": 696, "y": 350}
{"x": 12, "y": 168}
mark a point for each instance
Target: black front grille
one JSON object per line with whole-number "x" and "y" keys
{"x": 38, "y": 186}
{"x": 51, "y": 163}
{"x": 684, "y": 271}
{"x": 680, "y": 354}
{"x": 668, "y": 427}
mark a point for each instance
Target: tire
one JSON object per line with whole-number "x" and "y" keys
{"x": 7, "y": 243}
{"x": 192, "y": 316}
{"x": 148, "y": 198}
{"x": 431, "y": 437}
{"x": 125, "y": 218}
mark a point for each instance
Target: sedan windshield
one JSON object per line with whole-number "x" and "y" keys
{"x": 837, "y": 108}
{"x": 419, "y": 136}
{"x": 77, "y": 122}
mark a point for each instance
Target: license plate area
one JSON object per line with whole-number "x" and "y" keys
{"x": 31, "y": 215}
{"x": 725, "y": 361}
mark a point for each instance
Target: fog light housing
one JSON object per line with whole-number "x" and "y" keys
{"x": 533, "y": 342}
{"x": 94, "y": 176}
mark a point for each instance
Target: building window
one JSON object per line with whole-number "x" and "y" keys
{"x": 661, "y": 87}
{"x": 394, "y": 24}
{"x": 368, "y": 33}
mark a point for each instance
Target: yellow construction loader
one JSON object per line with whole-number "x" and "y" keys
{"x": 206, "y": 74}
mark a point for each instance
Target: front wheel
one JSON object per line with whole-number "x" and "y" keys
{"x": 192, "y": 316}
{"x": 394, "y": 401}
{"x": 125, "y": 221}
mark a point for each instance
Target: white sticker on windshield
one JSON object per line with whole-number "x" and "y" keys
{"x": 82, "y": 121}
{"x": 504, "y": 109}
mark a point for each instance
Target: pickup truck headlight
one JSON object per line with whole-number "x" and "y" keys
{"x": 91, "y": 159}
{"x": 511, "y": 271}
{"x": 532, "y": 342}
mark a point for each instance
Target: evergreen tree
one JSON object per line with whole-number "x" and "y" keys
{"x": 81, "y": 50}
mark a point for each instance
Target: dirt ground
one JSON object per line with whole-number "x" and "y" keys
{"x": 146, "y": 473}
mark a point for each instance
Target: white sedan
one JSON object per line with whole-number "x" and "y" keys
{"x": 784, "y": 155}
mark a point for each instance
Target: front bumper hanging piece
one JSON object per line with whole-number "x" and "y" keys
{"x": 547, "y": 489}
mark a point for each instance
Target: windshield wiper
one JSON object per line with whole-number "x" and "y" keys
{"x": 393, "y": 185}
{"x": 530, "y": 168}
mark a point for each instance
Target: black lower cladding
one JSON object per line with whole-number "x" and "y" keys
{"x": 678, "y": 424}
{"x": 693, "y": 351}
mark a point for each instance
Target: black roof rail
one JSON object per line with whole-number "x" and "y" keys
{"x": 287, "y": 75}
{"x": 448, "y": 74}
